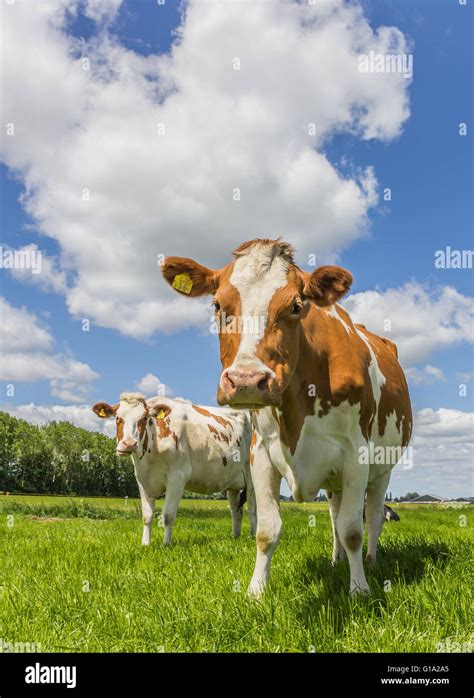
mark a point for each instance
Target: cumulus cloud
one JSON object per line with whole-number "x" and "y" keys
{"x": 49, "y": 276}
{"x": 422, "y": 320}
{"x": 426, "y": 375}
{"x": 192, "y": 152}
{"x": 79, "y": 415}
{"x": 151, "y": 385}
{"x": 442, "y": 454}
{"x": 26, "y": 350}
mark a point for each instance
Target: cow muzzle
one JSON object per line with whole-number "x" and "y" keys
{"x": 126, "y": 447}
{"x": 246, "y": 388}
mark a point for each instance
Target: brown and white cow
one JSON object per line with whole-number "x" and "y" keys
{"x": 320, "y": 388}
{"x": 175, "y": 445}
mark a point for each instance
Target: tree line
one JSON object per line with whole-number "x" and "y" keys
{"x": 59, "y": 458}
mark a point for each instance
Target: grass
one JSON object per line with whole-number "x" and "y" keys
{"x": 74, "y": 577}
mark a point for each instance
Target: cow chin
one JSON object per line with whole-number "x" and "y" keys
{"x": 248, "y": 399}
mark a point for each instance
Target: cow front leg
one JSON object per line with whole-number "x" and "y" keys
{"x": 236, "y": 511}
{"x": 374, "y": 515}
{"x": 350, "y": 527}
{"x": 148, "y": 513}
{"x": 174, "y": 492}
{"x": 266, "y": 481}
{"x": 338, "y": 553}
{"x": 252, "y": 507}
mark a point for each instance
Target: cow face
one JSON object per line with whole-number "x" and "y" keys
{"x": 131, "y": 416}
{"x": 260, "y": 300}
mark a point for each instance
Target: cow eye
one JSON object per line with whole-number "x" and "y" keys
{"x": 216, "y": 305}
{"x": 296, "y": 308}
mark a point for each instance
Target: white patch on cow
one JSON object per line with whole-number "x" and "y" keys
{"x": 333, "y": 313}
{"x": 375, "y": 374}
{"x": 257, "y": 274}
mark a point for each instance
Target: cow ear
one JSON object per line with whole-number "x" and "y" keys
{"x": 104, "y": 410}
{"x": 189, "y": 277}
{"x": 161, "y": 411}
{"x": 326, "y": 285}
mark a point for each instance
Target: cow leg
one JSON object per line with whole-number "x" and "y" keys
{"x": 266, "y": 481}
{"x": 350, "y": 527}
{"x": 374, "y": 513}
{"x": 148, "y": 513}
{"x": 338, "y": 553}
{"x": 174, "y": 492}
{"x": 252, "y": 506}
{"x": 236, "y": 512}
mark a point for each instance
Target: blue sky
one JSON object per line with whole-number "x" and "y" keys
{"x": 428, "y": 168}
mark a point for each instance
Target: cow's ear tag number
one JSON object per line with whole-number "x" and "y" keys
{"x": 183, "y": 283}
{"x": 161, "y": 414}
{"x": 102, "y": 413}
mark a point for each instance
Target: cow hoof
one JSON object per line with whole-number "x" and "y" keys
{"x": 359, "y": 591}
{"x": 255, "y": 591}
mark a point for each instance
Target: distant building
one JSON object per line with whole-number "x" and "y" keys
{"x": 426, "y": 499}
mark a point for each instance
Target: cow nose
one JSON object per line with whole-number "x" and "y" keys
{"x": 128, "y": 444}
{"x": 245, "y": 386}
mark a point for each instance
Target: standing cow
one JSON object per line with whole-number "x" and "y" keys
{"x": 176, "y": 445}
{"x": 322, "y": 390}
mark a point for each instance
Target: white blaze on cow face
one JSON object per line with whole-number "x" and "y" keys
{"x": 257, "y": 274}
{"x": 130, "y": 417}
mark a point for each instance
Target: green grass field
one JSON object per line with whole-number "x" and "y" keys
{"x": 74, "y": 577}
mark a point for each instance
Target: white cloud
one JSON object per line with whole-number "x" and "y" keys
{"x": 225, "y": 129}
{"x": 443, "y": 454}
{"x": 151, "y": 385}
{"x": 79, "y": 415}
{"x": 425, "y": 376}
{"x": 26, "y": 355}
{"x": 49, "y": 278}
{"x": 19, "y": 330}
{"x": 422, "y": 320}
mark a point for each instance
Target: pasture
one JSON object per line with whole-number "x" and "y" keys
{"x": 74, "y": 577}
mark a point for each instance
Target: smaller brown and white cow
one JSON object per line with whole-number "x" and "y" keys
{"x": 175, "y": 445}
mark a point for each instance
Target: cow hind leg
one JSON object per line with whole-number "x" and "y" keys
{"x": 374, "y": 513}
{"x": 236, "y": 511}
{"x": 350, "y": 528}
{"x": 338, "y": 552}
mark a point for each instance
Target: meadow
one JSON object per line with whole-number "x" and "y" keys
{"x": 74, "y": 577}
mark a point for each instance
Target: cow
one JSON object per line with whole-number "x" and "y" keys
{"x": 176, "y": 445}
{"x": 321, "y": 391}
{"x": 388, "y": 514}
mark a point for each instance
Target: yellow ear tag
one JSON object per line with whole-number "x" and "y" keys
{"x": 161, "y": 414}
{"x": 183, "y": 283}
{"x": 102, "y": 413}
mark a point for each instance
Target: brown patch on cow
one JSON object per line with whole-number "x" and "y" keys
{"x": 145, "y": 443}
{"x": 369, "y": 559}
{"x": 264, "y": 541}
{"x": 217, "y": 417}
{"x": 119, "y": 422}
{"x": 253, "y": 441}
{"x": 164, "y": 429}
{"x": 394, "y": 396}
{"x": 224, "y": 460}
{"x": 353, "y": 539}
{"x": 218, "y": 435}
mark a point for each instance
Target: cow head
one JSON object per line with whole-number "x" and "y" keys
{"x": 131, "y": 414}
{"x": 260, "y": 300}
